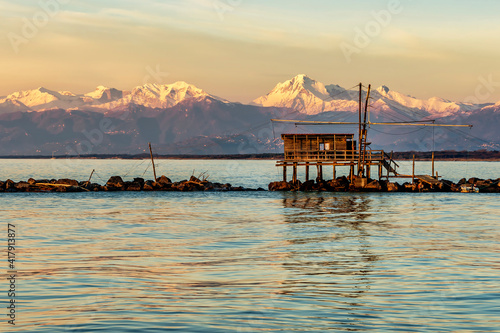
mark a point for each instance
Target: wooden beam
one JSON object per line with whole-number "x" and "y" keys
{"x": 152, "y": 161}
{"x": 413, "y": 171}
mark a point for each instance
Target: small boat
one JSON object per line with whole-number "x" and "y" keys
{"x": 465, "y": 188}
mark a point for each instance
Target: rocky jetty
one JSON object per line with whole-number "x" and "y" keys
{"x": 342, "y": 184}
{"x": 116, "y": 183}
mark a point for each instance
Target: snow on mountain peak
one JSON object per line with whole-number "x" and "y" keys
{"x": 306, "y": 95}
{"x": 35, "y": 97}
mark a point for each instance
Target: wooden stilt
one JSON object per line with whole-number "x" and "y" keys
{"x": 294, "y": 175}
{"x": 432, "y": 164}
{"x": 413, "y": 171}
{"x": 334, "y": 172}
{"x": 284, "y": 173}
{"x": 307, "y": 172}
{"x": 380, "y": 171}
{"x": 368, "y": 171}
{"x": 319, "y": 169}
{"x": 351, "y": 174}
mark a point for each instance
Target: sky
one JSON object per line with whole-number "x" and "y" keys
{"x": 240, "y": 49}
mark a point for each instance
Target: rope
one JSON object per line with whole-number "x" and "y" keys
{"x": 98, "y": 176}
{"x": 133, "y": 168}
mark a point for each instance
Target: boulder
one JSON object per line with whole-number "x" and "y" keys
{"x": 148, "y": 185}
{"x": 115, "y": 182}
{"x": 66, "y": 181}
{"x": 392, "y": 187}
{"x": 474, "y": 180}
{"x": 133, "y": 186}
{"x": 280, "y": 186}
{"x": 307, "y": 185}
{"x": 374, "y": 185}
{"x": 140, "y": 181}
{"x": 22, "y": 186}
{"x": 194, "y": 179}
{"x": 164, "y": 180}
{"x": 31, "y": 181}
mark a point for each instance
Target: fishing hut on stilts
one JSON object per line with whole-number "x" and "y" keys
{"x": 332, "y": 149}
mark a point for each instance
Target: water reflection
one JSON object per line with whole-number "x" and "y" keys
{"x": 329, "y": 252}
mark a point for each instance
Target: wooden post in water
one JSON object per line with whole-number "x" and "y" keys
{"x": 432, "y": 164}
{"x": 319, "y": 169}
{"x": 390, "y": 162}
{"x": 294, "y": 177}
{"x": 334, "y": 173}
{"x": 307, "y": 171}
{"x": 93, "y": 170}
{"x": 284, "y": 173}
{"x": 413, "y": 171}
{"x": 152, "y": 161}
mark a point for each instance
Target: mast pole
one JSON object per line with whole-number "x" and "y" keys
{"x": 359, "y": 128}
{"x": 152, "y": 160}
{"x": 365, "y": 131}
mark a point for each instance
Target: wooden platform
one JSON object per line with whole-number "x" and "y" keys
{"x": 428, "y": 179}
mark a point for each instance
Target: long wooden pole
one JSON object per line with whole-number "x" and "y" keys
{"x": 416, "y": 123}
{"x": 365, "y": 131}
{"x": 413, "y": 171}
{"x": 432, "y": 164}
{"x": 359, "y": 128}
{"x": 152, "y": 160}
{"x": 88, "y": 182}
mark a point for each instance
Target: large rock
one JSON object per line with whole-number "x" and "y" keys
{"x": 194, "y": 179}
{"x": 392, "y": 187}
{"x": 148, "y": 185}
{"x": 133, "y": 186}
{"x": 164, "y": 180}
{"x": 280, "y": 186}
{"x": 374, "y": 185}
{"x": 66, "y": 181}
{"x": 307, "y": 185}
{"x": 140, "y": 181}
{"x": 115, "y": 183}
{"x": 22, "y": 186}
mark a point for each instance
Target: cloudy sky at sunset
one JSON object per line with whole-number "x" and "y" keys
{"x": 239, "y": 49}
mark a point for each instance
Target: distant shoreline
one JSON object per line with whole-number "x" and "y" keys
{"x": 488, "y": 156}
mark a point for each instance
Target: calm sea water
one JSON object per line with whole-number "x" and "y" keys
{"x": 250, "y": 261}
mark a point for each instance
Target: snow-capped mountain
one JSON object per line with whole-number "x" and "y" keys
{"x": 434, "y": 105}
{"x": 104, "y": 94}
{"x": 103, "y": 98}
{"x": 186, "y": 119}
{"x": 309, "y": 96}
{"x": 158, "y": 96}
{"x": 44, "y": 99}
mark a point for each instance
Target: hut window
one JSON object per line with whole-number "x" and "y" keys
{"x": 327, "y": 146}
{"x": 322, "y": 146}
